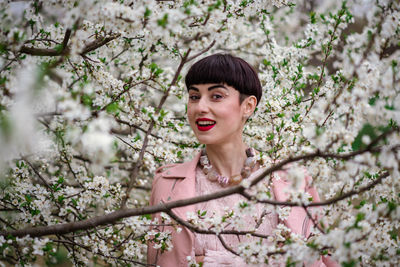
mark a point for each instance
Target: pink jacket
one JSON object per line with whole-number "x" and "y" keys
{"x": 177, "y": 181}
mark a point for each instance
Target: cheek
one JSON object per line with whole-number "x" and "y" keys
{"x": 189, "y": 114}
{"x": 231, "y": 113}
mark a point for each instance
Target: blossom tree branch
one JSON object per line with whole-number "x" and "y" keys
{"x": 139, "y": 162}
{"x": 185, "y": 59}
{"x": 166, "y": 207}
{"x": 99, "y": 42}
{"x": 198, "y": 230}
{"x": 48, "y": 52}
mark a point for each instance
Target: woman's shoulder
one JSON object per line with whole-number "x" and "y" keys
{"x": 163, "y": 172}
{"x": 178, "y": 170}
{"x": 166, "y": 167}
{"x": 167, "y": 177}
{"x": 160, "y": 185}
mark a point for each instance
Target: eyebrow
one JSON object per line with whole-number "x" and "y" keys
{"x": 209, "y": 88}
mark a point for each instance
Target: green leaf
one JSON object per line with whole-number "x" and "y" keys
{"x": 3, "y": 48}
{"x": 112, "y": 108}
{"x": 295, "y": 118}
{"x": 60, "y": 180}
{"x": 59, "y": 48}
{"x": 243, "y": 204}
{"x": 86, "y": 100}
{"x": 362, "y": 203}
{"x": 394, "y": 234}
{"x": 351, "y": 263}
{"x": 266, "y": 62}
{"x": 368, "y": 130}
{"x": 164, "y": 21}
{"x": 74, "y": 202}
{"x": 147, "y": 12}
{"x": 34, "y": 212}
{"x": 147, "y": 216}
{"x": 162, "y": 114}
{"x": 389, "y": 107}
{"x": 313, "y": 17}
{"x": 359, "y": 217}
{"x": 155, "y": 69}
{"x": 373, "y": 99}
{"x": 392, "y": 206}
{"x": 179, "y": 154}
{"x": 137, "y": 137}
{"x": 28, "y": 199}
{"x": 270, "y": 137}
{"x": 60, "y": 199}
{"x": 312, "y": 245}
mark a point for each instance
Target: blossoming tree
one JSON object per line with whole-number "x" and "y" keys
{"x": 92, "y": 101}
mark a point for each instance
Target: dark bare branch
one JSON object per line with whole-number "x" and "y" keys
{"x": 46, "y": 51}
{"x": 198, "y": 230}
{"x": 166, "y": 207}
{"x": 139, "y": 162}
{"x": 99, "y": 42}
{"x": 202, "y": 52}
{"x": 64, "y": 49}
{"x": 228, "y": 248}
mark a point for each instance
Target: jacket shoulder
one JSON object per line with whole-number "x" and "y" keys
{"x": 163, "y": 168}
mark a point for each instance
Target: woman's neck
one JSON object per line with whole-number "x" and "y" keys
{"x": 227, "y": 159}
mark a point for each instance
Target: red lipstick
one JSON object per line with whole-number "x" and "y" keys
{"x": 205, "y": 124}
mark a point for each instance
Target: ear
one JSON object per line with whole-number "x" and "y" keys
{"x": 249, "y": 105}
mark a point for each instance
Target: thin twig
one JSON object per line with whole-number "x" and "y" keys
{"x": 228, "y": 248}
{"x": 198, "y": 230}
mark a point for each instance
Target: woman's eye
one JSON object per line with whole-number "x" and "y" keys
{"x": 193, "y": 97}
{"x": 217, "y": 96}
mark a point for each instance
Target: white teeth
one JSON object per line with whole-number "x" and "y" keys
{"x": 205, "y": 123}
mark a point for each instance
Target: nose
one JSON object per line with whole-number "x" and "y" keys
{"x": 202, "y": 105}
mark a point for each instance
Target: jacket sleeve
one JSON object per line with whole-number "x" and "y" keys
{"x": 298, "y": 220}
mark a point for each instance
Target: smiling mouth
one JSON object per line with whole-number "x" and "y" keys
{"x": 205, "y": 125}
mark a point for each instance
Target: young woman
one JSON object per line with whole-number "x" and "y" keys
{"x": 224, "y": 91}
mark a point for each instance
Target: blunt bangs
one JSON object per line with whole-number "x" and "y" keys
{"x": 228, "y": 69}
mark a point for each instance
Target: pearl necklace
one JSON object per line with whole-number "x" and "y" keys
{"x": 224, "y": 181}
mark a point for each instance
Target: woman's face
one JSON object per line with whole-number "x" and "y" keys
{"x": 214, "y": 113}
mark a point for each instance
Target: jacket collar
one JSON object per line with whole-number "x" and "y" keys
{"x": 182, "y": 170}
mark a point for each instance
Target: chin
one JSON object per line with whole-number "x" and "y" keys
{"x": 209, "y": 140}
{"x": 205, "y": 140}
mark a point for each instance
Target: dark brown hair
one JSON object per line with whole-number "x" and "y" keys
{"x": 228, "y": 69}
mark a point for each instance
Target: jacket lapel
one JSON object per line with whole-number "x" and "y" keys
{"x": 183, "y": 179}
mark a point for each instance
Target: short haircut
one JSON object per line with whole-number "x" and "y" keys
{"x": 228, "y": 69}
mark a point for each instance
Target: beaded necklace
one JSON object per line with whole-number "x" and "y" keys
{"x": 224, "y": 181}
